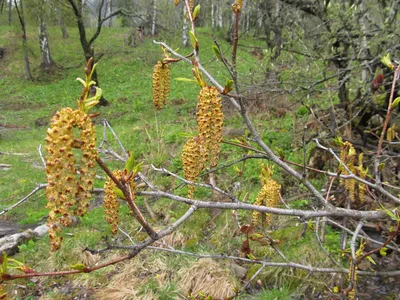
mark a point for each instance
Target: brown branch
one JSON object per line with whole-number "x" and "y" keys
{"x": 128, "y": 197}
{"x": 385, "y": 125}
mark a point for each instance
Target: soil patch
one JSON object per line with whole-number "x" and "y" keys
{"x": 20, "y": 105}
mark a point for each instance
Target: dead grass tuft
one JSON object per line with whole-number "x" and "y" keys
{"x": 139, "y": 279}
{"x": 208, "y": 277}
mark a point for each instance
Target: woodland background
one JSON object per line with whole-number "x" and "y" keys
{"x": 307, "y": 70}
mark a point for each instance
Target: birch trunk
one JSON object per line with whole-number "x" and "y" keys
{"x": 20, "y": 12}
{"x": 47, "y": 62}
{"x": 153, "y": 23}
{"x": 185, "y": 28}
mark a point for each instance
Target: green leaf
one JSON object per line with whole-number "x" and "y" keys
{"x": 383, "y": 251}
{"x": 196, "y": 12}
{"x": 228, "y": 86}
{"x": 185, "y": 79}
{"x": 390, "y": 214}
{"x": 193, "y": 40}
{"x": 82, "y": 81}
{"x": 79, "y": 267}
{"x": 137, "y": 168}
{"x": 371, "y": 259}
{"x": 395, "y": 103}
{"x": 387, "y": 62}
{"x": 119, "y": 193}
{"x": 217, "y": 52}
{"x": 130, "y": 163}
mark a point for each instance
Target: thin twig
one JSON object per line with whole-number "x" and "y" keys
{"x": 34, "y": 191}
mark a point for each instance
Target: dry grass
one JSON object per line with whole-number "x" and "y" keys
{"x": 207, "y": 276}
{"x": 131, "y": 281}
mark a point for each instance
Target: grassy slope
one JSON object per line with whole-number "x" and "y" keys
{"x": 154, "y": 137}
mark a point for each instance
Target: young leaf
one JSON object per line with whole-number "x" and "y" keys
{"x": 196, "y": 12}
{"x": 383, "y": 251}
{"x": 130, "y": 163}
{"x": 193, "y": 40}
{"x": 185, "y": 79}
{"x": 371, "y": 259}
{"x": 395, "y": 103}
{"x": 79, "y": 267}
{"x": 216, "y": 52}
{"x": 119, "y": 193}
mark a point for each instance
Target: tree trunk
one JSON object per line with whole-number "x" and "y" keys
{"x": 47, "y": 62}
{"x": 88, "y": 50}
{"x": 20, "y": 12}
{"x": 9, "y": 12}
{"x": 212, "y": 16}
{"x": 219, "y": 8}
{"x": 63, "y": 28}
{"x": 364, "y": 49}
{"x": 153, "y": 22}
{"x": 184, "y": 29}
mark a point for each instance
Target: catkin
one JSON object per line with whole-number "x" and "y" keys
{"x": 161, "y": 84}
{"x": 192, "y": 162}
{"x": 176, "y": 2}
{"x": 68, "y": 193}
{"x": 268, "y": 195}
{"x": 210, "y": 123}
{"x": 348, "y": 156}
{"x": 111, "y": 204}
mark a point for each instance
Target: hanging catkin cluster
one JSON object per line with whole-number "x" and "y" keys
{"x": 161, "y": 84}
{"x": 176, "y": 2}
{"x": 67, "y": 192}
{"x": 268, "y": 195}
{"x": 111, "y": 204}
{"x": 348, "y": 156}
{"x": 192, "y": 162}
{"x": 210, "y": 122}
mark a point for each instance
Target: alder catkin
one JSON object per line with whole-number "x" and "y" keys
{"x": 192, "y": 162}
{"x": 68, "y": 193}
{"x": 111, "y": 204}
{"x": 161, "y": 84}
{"x": 269, "y": 195}
{"x": 210, "y": 122}
{"x": 348, "y": 157}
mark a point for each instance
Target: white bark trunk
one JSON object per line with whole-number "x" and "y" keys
{"x": 363, "y": 54}
{"x": 153, "y": 23}
{"x": 219, "y": 14}
{"x": 184, "y": 29}
{"x": 212, "y": 16}
{"x": 44, "y": 43}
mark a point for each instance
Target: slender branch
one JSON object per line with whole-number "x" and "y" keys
{"x": 128, "y": 197}
{"x": 34, "y": 191}
{"x": 208, "y": 186}
{"x": 385, "y": 125}
{"x": 307, "y": 214}
{"x": 351, "y": 175}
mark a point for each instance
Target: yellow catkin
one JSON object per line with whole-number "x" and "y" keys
{"x": 268, "y": 195}
{"x": 210, "y": 122}
{"x": 111, "y": 204}
{"x": 362, "y": 173}
{"x": 352, "y": 293}
{"x": 348, "y": 156}
{"x": 259, "y": 201}
{"x": 67, "y": 192}
{"x": 161, "y": 84}
{"x": 192, "y": 162}
{"x": 176, "y": 2}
